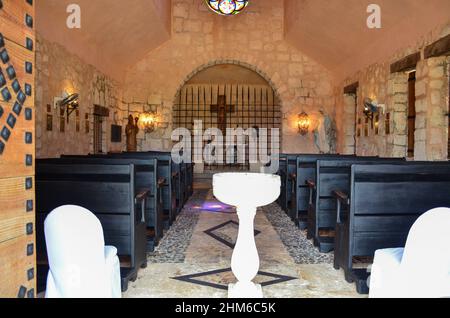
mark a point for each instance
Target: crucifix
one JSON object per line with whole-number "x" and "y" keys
{"x": 222, "y": 109}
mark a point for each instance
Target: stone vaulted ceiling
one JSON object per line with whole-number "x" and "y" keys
{"x": 114, "y": 34}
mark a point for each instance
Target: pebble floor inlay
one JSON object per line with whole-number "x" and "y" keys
{"x": 172, "y": 248}
{"x": 187, "y": 250}
{"x": 299, "y": 247}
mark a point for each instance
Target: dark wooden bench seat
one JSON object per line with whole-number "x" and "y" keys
{"x": 146, "y": 179}
{"x": 181, "y": 180}
{"x": 282, "y": 173}
{"x": 186, "y": 174}
{"x": 171, "y": 193}
{"x": 190, "y": 178}
{"x": 330, "y": 175}
{"x": 382, "y": 204}
{"x": 185, "y": 171}
{"x": 108, "y": 191}
{"x": 301, "y": 169}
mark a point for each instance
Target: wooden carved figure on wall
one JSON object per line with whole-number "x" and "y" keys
{"x": 132, "y": 130}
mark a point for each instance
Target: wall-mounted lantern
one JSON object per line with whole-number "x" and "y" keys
{"x": 370, "y": 108}
{"x": 303, "y": 122}
{"x": 69, "y": 103}
{"x": 148, "y": 121}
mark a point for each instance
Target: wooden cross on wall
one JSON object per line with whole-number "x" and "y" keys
{"x": 222, "y": 109}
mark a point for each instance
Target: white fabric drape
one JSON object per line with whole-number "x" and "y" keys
{"x": 81, "y": 266}
{"x": 422, "y": 268}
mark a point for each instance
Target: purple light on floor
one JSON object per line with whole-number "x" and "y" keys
{"x": 213, "y": 206}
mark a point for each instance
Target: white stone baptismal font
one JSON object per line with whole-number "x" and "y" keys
{"x": 246, "y": 191}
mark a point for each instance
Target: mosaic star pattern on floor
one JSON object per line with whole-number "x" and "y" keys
{"x": 226, "y": 233}
{"x": 191, "y": 263}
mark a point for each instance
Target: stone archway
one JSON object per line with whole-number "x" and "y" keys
{"x": 231, "y": 62}
{"x": 228, "y": 94}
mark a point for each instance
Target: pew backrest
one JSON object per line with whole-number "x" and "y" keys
{"x": 178, "y": 176}
{"x": 282, "y": 173}
{"x": 305, "y": 170}
{"x": 334, "y": 175}
{"x": 385, "y": 200}
{"x": 146, "y": 177}
{"x": 167, "y": 169}
{"x": 106, "y": 190}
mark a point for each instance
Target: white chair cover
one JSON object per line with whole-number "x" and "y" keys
{"x": 81, "y": 266}
{"x": 422, "y": 268}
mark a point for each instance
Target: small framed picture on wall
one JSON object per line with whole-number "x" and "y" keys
{"x": 366, "y": 127}
{"x": 387, "y": 123}
{"x": 62, "y": 124}
{"x": 358, "y": 128}
{"x": 49, "y": 123}
{"x": 377, "y": 124}
{"x": 49, "y": 119}
{"x": 86, "y": 123}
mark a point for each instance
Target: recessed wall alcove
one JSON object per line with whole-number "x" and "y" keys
{"x": 228, "y": 95}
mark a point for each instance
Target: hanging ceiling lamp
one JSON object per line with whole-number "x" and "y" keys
{"x": 227, "y": 7}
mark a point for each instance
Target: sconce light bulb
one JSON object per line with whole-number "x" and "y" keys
{"x": 147, "y": 121}
{"x": 303, "y": 123}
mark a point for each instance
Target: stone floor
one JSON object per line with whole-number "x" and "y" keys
{"x": 193, "y": 259}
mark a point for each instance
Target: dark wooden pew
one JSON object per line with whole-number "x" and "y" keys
{"x": 106, "y": 190}
{"x": 286, "y": 169}
{"x": 146, "y": 171}
{"x": 178, "y": 173}
{"x": 282, "y": 199}
{"x": 167, "y": 169}
{"x": 184, "y": 184}
{"x": 291, "y": 160}
{"x": 330, "y": 175}
{"x": 186, "y": 174}
{"x": 301, "y": 169}
{"x": 190, "y": 179}
{"x": 383, "y": 203}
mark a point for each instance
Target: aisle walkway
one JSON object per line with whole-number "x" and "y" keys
{"x": 193, "y": 259}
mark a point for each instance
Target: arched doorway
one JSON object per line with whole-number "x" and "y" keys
{"x": 228, "y": 95}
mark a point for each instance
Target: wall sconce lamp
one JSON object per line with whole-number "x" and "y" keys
{"x": 303, "y": 122}
{"x": 69, "y": 103}
{"x": 370, "y": 108}
{"x": 148, "y": 121}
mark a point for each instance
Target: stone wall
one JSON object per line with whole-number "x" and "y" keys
{"x": 391, "y": 90}
{"x": 58, "y": 70}
{"x": 348, "y": 116}
{"x": 201, "y": 38}
{"x": 432, "y": 107}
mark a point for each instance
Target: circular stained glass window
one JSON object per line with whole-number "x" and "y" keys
{"x": 227, "y": 7}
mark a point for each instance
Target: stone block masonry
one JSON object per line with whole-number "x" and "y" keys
{"x": 432, "y": 106}
{"x": 58, "y": 70}
{"x": 200, "y": 39}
